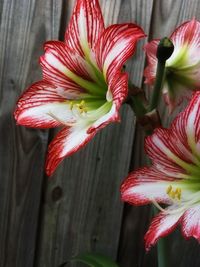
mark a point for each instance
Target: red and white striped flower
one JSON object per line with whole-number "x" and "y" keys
{"x": 182, "y": 74}
{"x": 174, "y": 177}
{"x": 83, "y": 86}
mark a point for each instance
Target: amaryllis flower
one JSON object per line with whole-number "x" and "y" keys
{"x": 182, "y": 74}
{"x": 83, "y": 86}
{"x": 174, "y": 177}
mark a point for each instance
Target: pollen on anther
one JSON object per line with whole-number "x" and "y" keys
{"x": 71, "y": 105}
{"x": 82, "y": 107}
{"x": 174, "y": 194}
{"x": 169, "y": 189}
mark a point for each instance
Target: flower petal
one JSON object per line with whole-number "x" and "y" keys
{"x": 43, "y": 106}
{"x": 85, "y": 27}
{"x": 187, "y": 33}
{"x": 191, "y": 223}
{"x": 162, "y": 149}
{"x": 104, "y": 120}
{"x": 174, "y": 93}
{"x": 186, "y": 130}
{"x": 118, "y": 88}
{"x": 64, "y": 68}
{"x": 146, "y": 185}
{"x": 179, "y": 146}
{"x": 150, "y": 71}
{"x": 68, "y": 141}
{"x": 115, "y": 46}
{"x": 161, "y": 226}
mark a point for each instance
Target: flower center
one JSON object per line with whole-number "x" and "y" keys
{"x": 81, "y": 107}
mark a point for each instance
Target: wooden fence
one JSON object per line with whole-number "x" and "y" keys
{"x": 45, "y": 222}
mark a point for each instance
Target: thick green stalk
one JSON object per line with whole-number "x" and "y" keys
{"x": 137, "y": 105}
{"x": 160, "y": 73}
{"x": 164, "y": 51}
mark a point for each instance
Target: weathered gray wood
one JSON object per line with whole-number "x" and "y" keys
{"x": 88, "y": 215}
{"x": 135, "y": 219}
{"x": 80, "y": 209}
{"x": 165, "y": 17}
{"x": 25, "y": 25}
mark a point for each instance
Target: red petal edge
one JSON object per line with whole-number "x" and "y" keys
{"x": 91, "y": 12}
{"x": 55, "y": 151}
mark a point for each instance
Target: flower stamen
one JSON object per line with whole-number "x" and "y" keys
{"x": 71, "y": 105}
{"x": 174, "y": 194}
{"x": 80, "y": 106}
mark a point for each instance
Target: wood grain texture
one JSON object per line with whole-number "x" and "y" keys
{"x": 79, "y": 209}
{"x": 165, "y": 17}
{"x": 135, "y": 219}
{"x": 88, "y": 215}
{"x": 25, "y": 25}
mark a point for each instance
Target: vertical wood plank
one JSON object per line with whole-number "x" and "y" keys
{"x": 25, "y": 25}
{"x": 131, "y": 246}
{"x": 166, "y": 16}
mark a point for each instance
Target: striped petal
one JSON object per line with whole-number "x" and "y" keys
{"x": 186, "y": 130}
{"x": 188, "y": 33}
{"x": 85, "y": 27}
{"x": 165, "y": 152}
{"x": 62, "y": 67}
{"x": 185, "y": 59}
{"x": 150, "y": 71}
{"x": 118, "y": 88}
{"x": 191, "y": 223}
{"x": 146, "y": 185}
{"x": 68, "y": 141}
{"x": 179, "y": 146}
{"x": 43, "y": 106}
{"x": 161, "y": 226}
{"x": 115, "y": 46}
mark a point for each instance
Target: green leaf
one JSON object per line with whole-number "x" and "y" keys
{"x": 95, "y": 260}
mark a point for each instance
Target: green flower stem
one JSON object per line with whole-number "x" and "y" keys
{"x": 164, "y": 51}
{"x": 160, "y": 73}
{"x": 137, "y": 101}
{"x": 137, "y": 106}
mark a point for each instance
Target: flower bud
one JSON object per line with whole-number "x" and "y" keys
{"x": 165, "y": 49}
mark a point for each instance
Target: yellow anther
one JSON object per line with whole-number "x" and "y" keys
{"x": 71, "y": 105}
{"x": 82, "y": 107}
{"x": 174, "y": 194}
{"x": 179, "y": 193}
{"x": 169, "y": 189}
